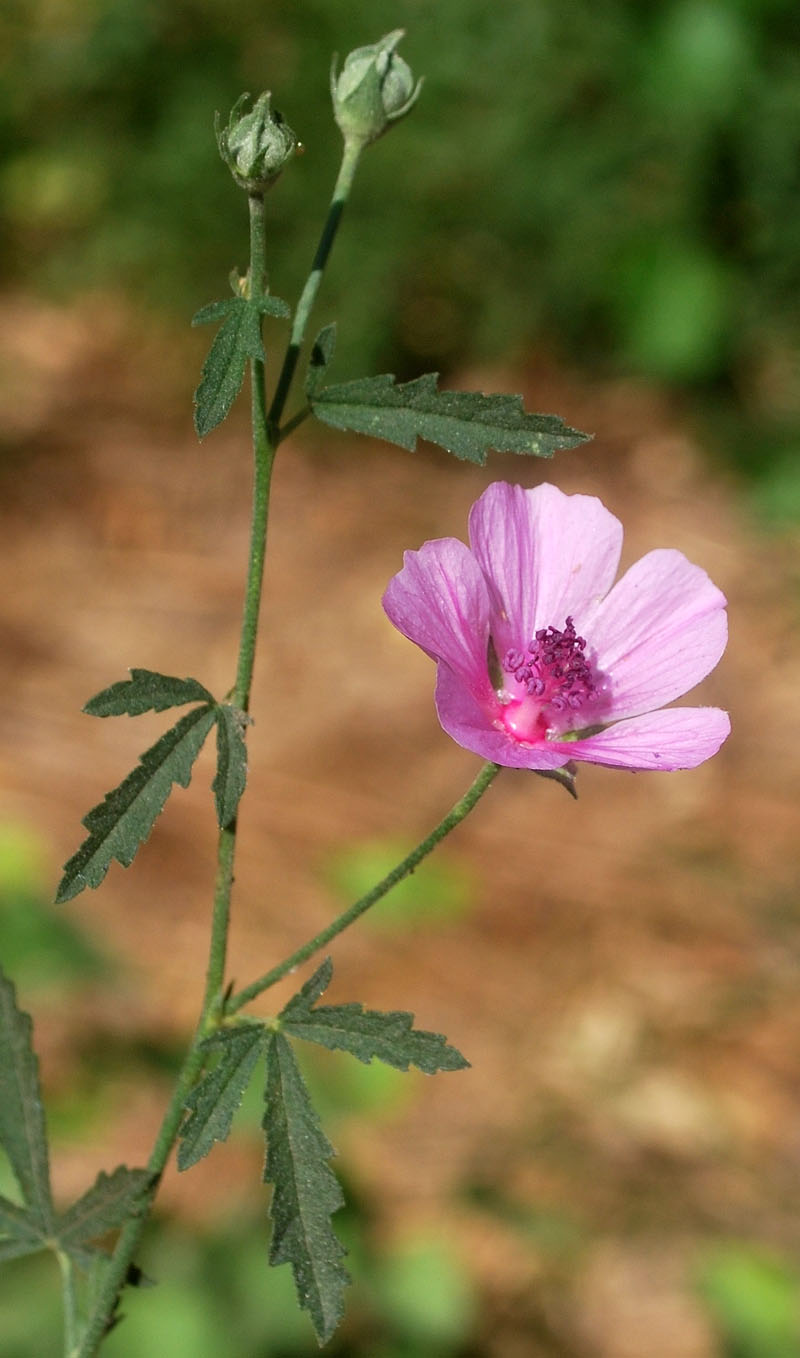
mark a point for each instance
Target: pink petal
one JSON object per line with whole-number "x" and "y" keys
{"x": 470, "y": 724}
{"x": 439, "y": 600}
{"x": 547, "y": 555}
{"x": 659, "y": 632}
{"x": 674, "y": 738}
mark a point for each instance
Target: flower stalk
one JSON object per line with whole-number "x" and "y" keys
{"x": 454, "y": 817}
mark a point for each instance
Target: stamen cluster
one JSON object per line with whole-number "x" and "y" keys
{"x": 554, "y": 668}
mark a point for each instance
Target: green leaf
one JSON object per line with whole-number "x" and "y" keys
{"x": 366, "y": 1033}
{"x": 237, "y": 340}
{"x": 215, "y": 1099}
{"x": 273, "y": 306}
{"x": 306, "y": 1192}
{"x": 231, "y": 776}
{"x": 321, "y": 355}
{"x": 146, "y": 691}
{"x": 23, "y": 1134}
{"x": 216, "y": 311}
{"x": 103, "y": 1207}
{"x": 23, "y": 1235}
{"x": 466, "y": 423}
{"x": 125, "y": 817}
{"x": 267, "y": 306}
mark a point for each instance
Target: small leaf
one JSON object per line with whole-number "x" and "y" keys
{"x": 321, "y": 355}
{"x": 215, "y": 1099}
{"x": 466, "y": 423}
{"x": 238, "y": 338}
{"x": 366, "y": 1033}
{"x": 103, "y": 1207}
{"x": 306, "y": 1192}
{"x": 273, "y": 306}
{"x": 21, "y": 1232}
{"x": 231, "y": 776}
{"x": 125, "y": 817}
{"x": 215, "y": 311}
{"x": 146, "y": 691}
{"x": 23, "y": 1133}
{"x": 267, "y": 306}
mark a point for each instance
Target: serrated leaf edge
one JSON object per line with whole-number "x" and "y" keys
{"x": 74, "y": 876}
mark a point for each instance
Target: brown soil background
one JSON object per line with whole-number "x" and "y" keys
{"x": 626, "y": 986}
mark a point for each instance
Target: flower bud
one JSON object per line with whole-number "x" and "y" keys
{"x": 374, "y": 89}
{"x": 256, "y": 145}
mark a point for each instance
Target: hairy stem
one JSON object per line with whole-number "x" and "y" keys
{"x": 264, "y": 456}
{"x": 131, "y": 1233}
{"x": 403, "y": 869}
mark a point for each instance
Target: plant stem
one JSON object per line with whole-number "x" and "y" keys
{"x": 131, "y": 1233}
{"x": 263, "y": 459}
{"x": 264, "y": 456}
{"x": 341, "y": 192}
{"x": 454, "y": 817}
{"x": 265, "y": 439}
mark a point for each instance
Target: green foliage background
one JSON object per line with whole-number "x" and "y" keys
{"x": 619, "y": 181}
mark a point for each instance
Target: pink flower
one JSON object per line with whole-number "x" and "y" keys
{"x": 542, "y": 658}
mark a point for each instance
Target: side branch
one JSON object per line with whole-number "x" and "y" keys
{"x": 453, "y": 818}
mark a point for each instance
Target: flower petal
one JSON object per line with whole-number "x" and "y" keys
{"x": 440, "y": 601}
{"x": 470, "y": 724}
{"x": 546, "y": 555}
{"x": 659, "y": 632}
{"x": 674, "y": 738}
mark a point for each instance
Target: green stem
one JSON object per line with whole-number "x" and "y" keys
{"x": 264, "y": 456}
{"x": 131, "y": 1233}
{"x": 453, "y": 818}
{"x": 341, "y": 192}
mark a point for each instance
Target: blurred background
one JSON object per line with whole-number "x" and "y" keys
{"x": 594, "y": 205}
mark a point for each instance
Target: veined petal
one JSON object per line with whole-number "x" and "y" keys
{"x": 440, "y": 601}
{"x": 546, "y": 555}
{"x": 471, "y": 725}
{"x": 674, "y": 738}
{"x": 659, "y": 632}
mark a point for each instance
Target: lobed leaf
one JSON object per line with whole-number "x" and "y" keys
{"x": 465, "y": 423}
{"x": 237, "y": 340}
{"x": 273, "y": 306}
{"x": 23, "y": 1133}
{"x": 125, "y": 817}
{"x": 366, "y": 1033}
{"x": 146, "y": 691}
{"x": 321, "y": 355}
{"x": 306, "y": 1192}
{"x": 103, "y": 1207}
{"x": 214, "y": 1100}
{"x": 215, "y": 311}
{"x": 231, "y": 776}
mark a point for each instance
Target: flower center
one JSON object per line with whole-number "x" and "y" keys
{"x": 552, "y": 673}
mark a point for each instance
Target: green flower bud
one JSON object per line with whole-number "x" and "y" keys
{"x": 256, "y": 145}
{"x": 374, "y": 89}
